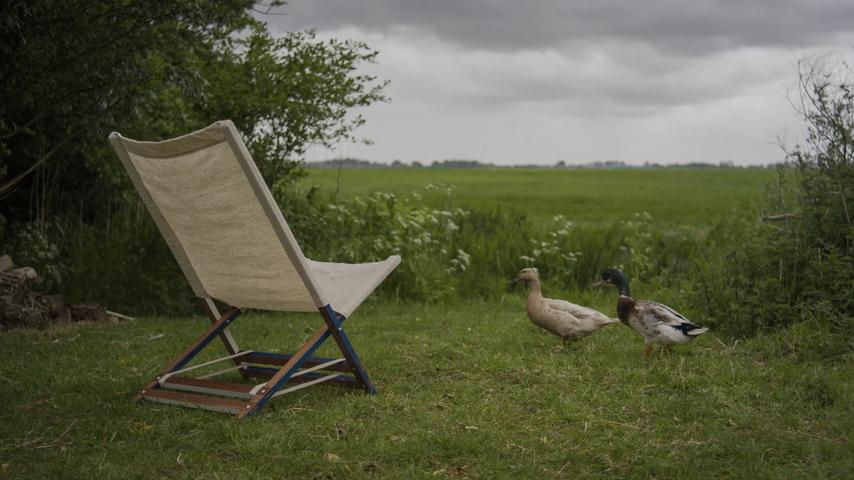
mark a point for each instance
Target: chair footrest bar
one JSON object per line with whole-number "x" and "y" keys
{"x": 210, "y": 387}
{"x": 307, "y": 384}
{"x": 220, "y": 372}
{"x": 268, "y": 358}
{"x": 194, "y": 401}
{"x": 194, "y": 367}
{"x": 265, "y": 372}
{"x": 323, "y": 366}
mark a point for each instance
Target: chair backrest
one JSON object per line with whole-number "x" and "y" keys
{"x": 218, "y": 217}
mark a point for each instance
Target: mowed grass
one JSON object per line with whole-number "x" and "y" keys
{"x": 465, "y": 391}
{"x": 674, "y": 197}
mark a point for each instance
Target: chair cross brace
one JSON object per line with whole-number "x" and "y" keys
{"x": 243, "y": 399}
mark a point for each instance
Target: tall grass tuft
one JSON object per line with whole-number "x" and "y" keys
{"x": 123, "y": 262}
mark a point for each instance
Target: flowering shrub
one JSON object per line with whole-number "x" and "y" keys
{"x": 456, "y": 252}
{"x": 33, "y": 248}
{"x": 371, "y": 228}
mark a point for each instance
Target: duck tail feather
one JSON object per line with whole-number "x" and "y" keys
{"x": 697, "y": 331}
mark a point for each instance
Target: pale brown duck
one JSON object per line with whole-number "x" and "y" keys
{"x": 564, "y": 319}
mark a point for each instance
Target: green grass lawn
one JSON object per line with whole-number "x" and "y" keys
{"x": 465, "y": 391}
{"x": 675, "y": 197}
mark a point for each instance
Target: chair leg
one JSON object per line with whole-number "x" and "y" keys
{"x": 266, "y": 392}
{"x": 330, "y": 316}
{"x": 197, "y": 346}
{"x": 262, "y": 393}
{"x": 227, "y": 339}
{"x": 333, "y": 328}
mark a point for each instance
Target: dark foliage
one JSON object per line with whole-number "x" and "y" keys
{"x": 796, "y": 264}
{"x": 71, "y": 72}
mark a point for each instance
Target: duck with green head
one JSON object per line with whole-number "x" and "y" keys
{"x": 655, "y": 322}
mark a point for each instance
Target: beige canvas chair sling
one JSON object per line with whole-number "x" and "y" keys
{"x": 233, "y": 245}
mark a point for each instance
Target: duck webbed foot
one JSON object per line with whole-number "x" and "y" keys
{"x": 647, "y": 351}
{"x": 557, "y": 349}
{"x": 566, "y": 344}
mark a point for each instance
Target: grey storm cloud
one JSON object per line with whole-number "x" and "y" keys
{"x": 678, "y": 26}
{"x": 514, "y": 80}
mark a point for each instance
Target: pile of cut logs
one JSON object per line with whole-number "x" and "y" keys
{"x": 20, "y": 305}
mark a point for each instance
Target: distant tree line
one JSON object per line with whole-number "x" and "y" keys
{"x": 457, "y": 163}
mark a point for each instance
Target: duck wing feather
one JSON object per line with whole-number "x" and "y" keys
{"x": 656, "y": 314}
{"x": 583, "y": 314}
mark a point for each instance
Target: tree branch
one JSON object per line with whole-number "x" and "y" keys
{"x": 9, "y": 184}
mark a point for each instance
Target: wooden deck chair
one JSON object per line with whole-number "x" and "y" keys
{"x": 234, "y": 246}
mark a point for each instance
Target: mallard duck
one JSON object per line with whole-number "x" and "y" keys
{"x": 654, "y": 321}
{"x": 564, "y": 319}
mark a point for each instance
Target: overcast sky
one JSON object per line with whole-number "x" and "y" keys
{"x": 514, "y": 82}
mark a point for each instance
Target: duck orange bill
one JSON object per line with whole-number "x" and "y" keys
{"x": 511, "y": 285}
{"x": 598, "y": 284}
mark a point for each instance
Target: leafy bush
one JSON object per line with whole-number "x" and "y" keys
{"x": 796, "y": 265}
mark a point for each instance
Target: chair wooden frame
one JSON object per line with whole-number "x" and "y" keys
{"x": 241, "y": 399}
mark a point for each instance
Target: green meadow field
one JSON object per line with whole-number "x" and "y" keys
{"x": 468, "y": 387}
{"x": 673, "y": 196}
